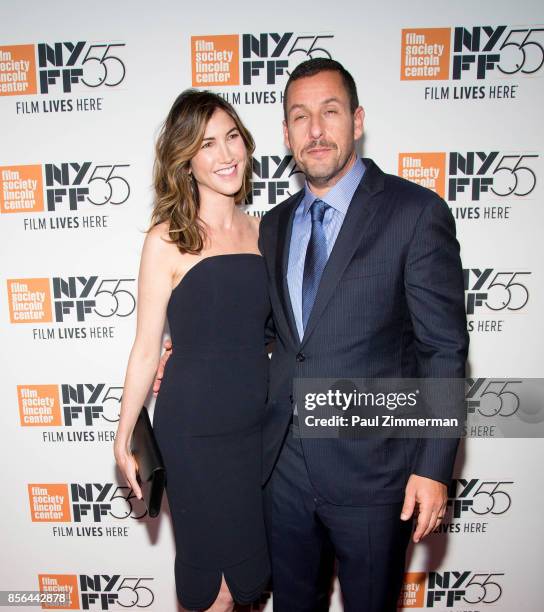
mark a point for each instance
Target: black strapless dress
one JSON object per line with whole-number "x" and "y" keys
{"x": 208, "y": 426}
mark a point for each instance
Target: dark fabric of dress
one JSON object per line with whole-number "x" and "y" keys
{"x": 208, "y": 426}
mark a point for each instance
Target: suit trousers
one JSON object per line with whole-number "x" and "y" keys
{"x": 306, "y": 532}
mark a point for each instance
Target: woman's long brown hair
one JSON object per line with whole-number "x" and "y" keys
{"x": 176, "y": 191}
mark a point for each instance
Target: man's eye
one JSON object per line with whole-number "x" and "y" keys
{"x": 330, "y": 112}
{"x": 297, "y": 117}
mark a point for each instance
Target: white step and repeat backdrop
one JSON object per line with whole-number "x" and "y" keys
{"x": 452, "y": 93}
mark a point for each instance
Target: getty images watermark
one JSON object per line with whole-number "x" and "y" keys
{"x": 419, "y": 408}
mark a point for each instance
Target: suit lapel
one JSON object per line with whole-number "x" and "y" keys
{"x": 285, "y": 226}
{"x": 350, "y": 236}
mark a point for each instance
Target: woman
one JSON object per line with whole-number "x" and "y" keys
{"x": 201, "y": 267}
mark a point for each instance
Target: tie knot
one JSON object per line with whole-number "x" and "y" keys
{"x": 317, "y": 210}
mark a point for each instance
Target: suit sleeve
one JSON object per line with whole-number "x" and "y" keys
{"x": 269, "y": 329}
{"x": 435, "y": 296}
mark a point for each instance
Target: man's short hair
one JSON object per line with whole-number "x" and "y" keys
{"x": 316, "y": 65}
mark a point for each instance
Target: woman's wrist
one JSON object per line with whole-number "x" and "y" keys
{"x": 122, "y": 441}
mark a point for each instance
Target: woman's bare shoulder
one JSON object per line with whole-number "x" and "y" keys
{"x": 158, "y": 246}
{"x": 158, "y": 237}
{"x": 160, "y": 231}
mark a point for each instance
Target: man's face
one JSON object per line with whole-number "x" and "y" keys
{"x": 320, "y": 128}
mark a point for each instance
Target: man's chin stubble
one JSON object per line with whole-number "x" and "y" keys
{"x": 323, "y": 180}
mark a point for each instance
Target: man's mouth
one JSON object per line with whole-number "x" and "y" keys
{"x": 319, "y": 148}
{"x": 319, "y": 151}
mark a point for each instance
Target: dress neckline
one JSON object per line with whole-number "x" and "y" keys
{"x": 198, "y": 263}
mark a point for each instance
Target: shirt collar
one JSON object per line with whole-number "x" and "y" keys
{"x": 339, "y": 196}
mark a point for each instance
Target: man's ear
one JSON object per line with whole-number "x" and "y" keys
{"x": 358, "y": 122}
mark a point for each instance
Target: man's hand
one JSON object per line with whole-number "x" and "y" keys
{"x": 431, "y": 497}
{"x": 160, "y": 370}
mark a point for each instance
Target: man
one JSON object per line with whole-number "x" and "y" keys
{"x": 365, "y": 282}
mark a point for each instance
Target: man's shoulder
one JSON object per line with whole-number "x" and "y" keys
{"x": 396, "y": 185}
{"x": 271, "y": 217}
{"x": 404, "y": 193}
{"x": 401, "y": 185}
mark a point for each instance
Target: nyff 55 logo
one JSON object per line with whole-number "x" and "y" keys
{"x": 479, "y": 497}
{"x": 60, "y": 67}
{"x": 273, "y": 178}
{"x": 491, "y": 397}
{"x": 474, "y": 173}
{"x": 469, "y": 176}
{"x": 62, "y": 187}
{"x": 83, "y": 404}
{"x": 82, "y": 502}
{"x": 471, "y": 52}
{"x": 97, "y": 591}
{"x": 260, "y": 59}
{"x": 449, "y": 588}
{"x": 72, "y": 298}
{"x": 486, "y": 288}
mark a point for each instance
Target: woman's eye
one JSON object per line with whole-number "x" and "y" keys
{"x": 206, "y": 145}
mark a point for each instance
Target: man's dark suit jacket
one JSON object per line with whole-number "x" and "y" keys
{"x": 390, "y": 305}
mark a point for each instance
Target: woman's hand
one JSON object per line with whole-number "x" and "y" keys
{"x": 160, "y": 370}
{"x": 127, "y": 464}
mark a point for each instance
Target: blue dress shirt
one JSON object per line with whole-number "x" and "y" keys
{"x": 338, "y": 198}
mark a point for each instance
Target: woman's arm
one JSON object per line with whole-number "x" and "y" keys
{"x": 154, "y": 288}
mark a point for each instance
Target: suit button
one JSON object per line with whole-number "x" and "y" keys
{"x": 301, "y": 356}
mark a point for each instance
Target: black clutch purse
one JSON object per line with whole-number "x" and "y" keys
{"x": 151, "y": 471}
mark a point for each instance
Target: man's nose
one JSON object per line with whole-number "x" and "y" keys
{"x": 316, "y": 128}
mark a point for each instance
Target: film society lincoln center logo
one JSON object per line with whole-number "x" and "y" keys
{"x": 450, "y": 589}
{"x": 32, "y": 301}
{"x": 476, "y": 53}
{"x": 59, "y": 67}
{"x": 426, "y": 53}
{"x": 63, "y": 190}
{"x": 70, "y": 405}
{"x": 82, "y": 503}
{"x": 70, "y": 300}
{"x": 104, "y": 591}
{"x": 253, "y": 59}
{"x": 480, "y": 184}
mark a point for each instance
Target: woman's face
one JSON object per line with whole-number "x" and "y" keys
{"x": 219, "y": 165}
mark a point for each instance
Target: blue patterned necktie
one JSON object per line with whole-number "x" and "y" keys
{"x": 316, "y": 258}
